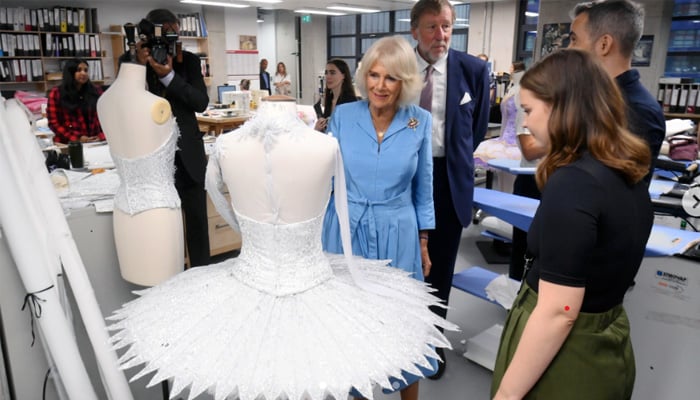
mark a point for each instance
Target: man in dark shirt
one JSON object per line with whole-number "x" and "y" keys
{"x": 264, "y": 76}
{"x": 181, "y": 83}
{"x": 609, "y": 31}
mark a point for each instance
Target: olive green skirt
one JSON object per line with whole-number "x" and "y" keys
{"x": 595, "y": 362}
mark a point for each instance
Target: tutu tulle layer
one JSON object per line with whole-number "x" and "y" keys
{"x": 207, "y": 330}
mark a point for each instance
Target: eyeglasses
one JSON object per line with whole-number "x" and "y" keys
{"x": 432, "y": 28}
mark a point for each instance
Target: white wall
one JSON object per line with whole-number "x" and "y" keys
{"x": 493, "y": 31}
{"x": 216, "y": 26}
{"x": 313, "y": 57}
{"x": 267, "y": 41}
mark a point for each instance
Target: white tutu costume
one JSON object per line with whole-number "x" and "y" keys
{"x": 283, "y": 319}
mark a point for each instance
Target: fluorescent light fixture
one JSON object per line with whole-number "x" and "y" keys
{"x": 216, "y": 3}
{"x": 319, "y": 12}
{"x": 454, "y": 3}
{"x": 351, "y": 8}
{"x": 265, "y": 1}
{"x": 260, "y": 20}
{"x": 531, "y": 14}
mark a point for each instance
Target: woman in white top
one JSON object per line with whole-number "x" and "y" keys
{"x": 281, "y": 81}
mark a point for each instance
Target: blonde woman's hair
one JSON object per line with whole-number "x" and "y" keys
{"x": 399, "y": 59}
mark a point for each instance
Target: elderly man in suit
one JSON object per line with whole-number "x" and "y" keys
{"x": 457, "y": 94}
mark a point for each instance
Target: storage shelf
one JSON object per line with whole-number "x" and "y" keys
{"x": 41, "y": 47}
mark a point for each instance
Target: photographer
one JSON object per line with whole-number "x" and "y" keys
{"x": 176, "y": 76}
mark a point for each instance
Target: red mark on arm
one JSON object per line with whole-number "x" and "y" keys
{"x": 567, "y": 308}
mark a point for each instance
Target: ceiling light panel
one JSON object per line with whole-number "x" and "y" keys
{"x": 216, "y": 3}
{"x": 351, "y": 8}
{"x": 319, "y": 12}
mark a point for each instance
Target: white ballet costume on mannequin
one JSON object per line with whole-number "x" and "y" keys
{"x": 283, "y": 319}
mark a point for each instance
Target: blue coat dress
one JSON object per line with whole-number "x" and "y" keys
{"x": 389, "y": 185}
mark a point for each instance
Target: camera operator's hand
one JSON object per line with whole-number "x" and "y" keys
{"x": 142, "y": 53}
{"x": 161, "y": 69}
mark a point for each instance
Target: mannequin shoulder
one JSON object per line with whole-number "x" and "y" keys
{"x": 160, "y": 111}
{"x": 321, "y": 139}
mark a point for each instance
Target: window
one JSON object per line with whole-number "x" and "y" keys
{"x": 344, "y": 25}
{"x": 348, "y": 44}
{"x": 527, "y": 30}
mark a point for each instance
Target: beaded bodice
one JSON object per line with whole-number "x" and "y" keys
{"x": 282, "y": 259}
{"x": 148, "y": 182}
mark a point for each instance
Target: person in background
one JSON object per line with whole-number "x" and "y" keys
{"x": 567, "y": 335}
{"x": 339, "y": 90}
{"x": 264, "y": 77}
{"x": 610, "y": 30}
{"x": 492, "y": 80}
{"x": 71, "y": 109}
{"x": 182, "y": 84}
{"x": 245, "y": 84}
{"x": 385, "y": 144}
{"x": 281, "y": 81}
{"x": 531, "y": 151}
{"x": 457, "y": 95}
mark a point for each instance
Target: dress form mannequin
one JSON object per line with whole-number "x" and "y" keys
{"x": 305, "y": 152}
{"x": 150, "y": 243}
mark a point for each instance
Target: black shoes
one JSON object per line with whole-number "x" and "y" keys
{"x": 441, "y": 365}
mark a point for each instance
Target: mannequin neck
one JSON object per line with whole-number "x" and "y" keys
{"x": 132, "y": 75}
{"x": 272, "y": 108}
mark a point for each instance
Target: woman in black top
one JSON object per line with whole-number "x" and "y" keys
{"x": 567, "y": 336}
{"x": 339, "y": 90}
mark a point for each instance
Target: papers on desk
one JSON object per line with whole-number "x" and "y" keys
{"x": 78, "y": 189}
{"x": 97, "y": 155}
{"x": 512, "y": 166}
{"x": 224, "y": 113}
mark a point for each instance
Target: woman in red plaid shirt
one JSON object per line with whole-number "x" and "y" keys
{"x": 71, "y": 110}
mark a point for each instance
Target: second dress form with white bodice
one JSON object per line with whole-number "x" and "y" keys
{"x": 137, "y": 125}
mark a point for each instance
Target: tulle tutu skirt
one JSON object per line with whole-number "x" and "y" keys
{"x": 207, "y": 330}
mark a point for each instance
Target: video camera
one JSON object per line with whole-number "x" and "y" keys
{"x": 162, "y": 44}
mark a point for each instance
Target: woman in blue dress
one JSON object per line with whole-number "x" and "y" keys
{"x": 385, "y": 142}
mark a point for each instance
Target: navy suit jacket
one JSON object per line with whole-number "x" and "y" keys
{"x": 265, "y": 83}
{"x": 466, "y": 122}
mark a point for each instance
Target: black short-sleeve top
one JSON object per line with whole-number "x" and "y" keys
{"x": 590, "y": 230}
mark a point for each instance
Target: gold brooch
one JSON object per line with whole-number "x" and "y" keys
{"x": 413, "y": 123}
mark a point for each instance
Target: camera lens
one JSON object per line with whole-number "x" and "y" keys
{"x": 160, "y": 54}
